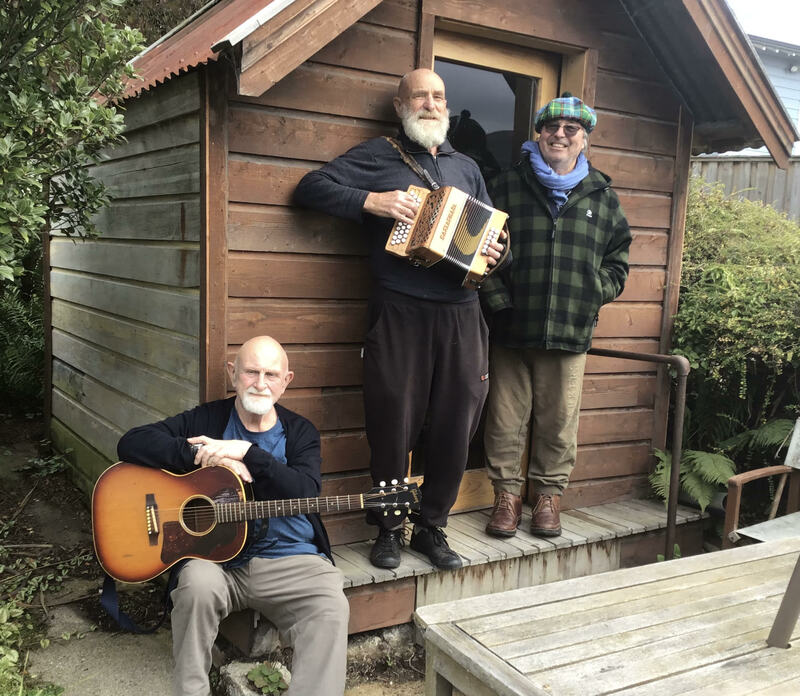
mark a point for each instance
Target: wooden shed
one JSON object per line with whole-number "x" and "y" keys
{"x": 201, "y": 247}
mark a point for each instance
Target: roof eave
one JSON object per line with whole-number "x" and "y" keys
{"x": 734, "y": 54}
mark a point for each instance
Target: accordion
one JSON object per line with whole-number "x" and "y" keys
{"x": 451, "y": 229}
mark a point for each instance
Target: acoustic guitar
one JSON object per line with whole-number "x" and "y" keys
{"x": 145, "y": 520}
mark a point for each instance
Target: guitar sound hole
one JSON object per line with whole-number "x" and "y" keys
{"x": 198, "y": 516}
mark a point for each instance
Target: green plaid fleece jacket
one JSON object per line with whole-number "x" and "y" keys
{"x": 564, "y": 268}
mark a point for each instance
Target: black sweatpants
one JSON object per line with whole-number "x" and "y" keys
{"x": 423, "y": 358}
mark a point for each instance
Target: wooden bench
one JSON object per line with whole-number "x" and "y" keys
{"x": 690, "y": 626}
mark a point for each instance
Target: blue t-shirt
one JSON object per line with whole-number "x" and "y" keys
{"x": 285, "y": 536}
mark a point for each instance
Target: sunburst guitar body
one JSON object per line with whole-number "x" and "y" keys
{"x": 145, "y": 520}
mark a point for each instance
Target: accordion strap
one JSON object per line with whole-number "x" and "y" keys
{"x": 418, "y": 169}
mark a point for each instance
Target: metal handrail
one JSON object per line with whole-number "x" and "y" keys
{"x": 682, "y": 367}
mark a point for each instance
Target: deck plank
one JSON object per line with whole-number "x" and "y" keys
{"x": 593, "y": 532}
{"x": 649, "y": 519}
{"x": 619, "y": 530}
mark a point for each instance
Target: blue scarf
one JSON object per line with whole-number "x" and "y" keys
{"x": 558, "y": 186}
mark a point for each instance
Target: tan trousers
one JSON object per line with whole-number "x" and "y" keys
{"x": 549, "y": 384}
{"x": 301, "y": 595}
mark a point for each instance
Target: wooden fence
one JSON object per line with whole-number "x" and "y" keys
{"x": 756, "y": 178}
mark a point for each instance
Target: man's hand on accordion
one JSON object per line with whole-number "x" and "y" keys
{"x": 496, "y": 249}
{"x": 399, "y": 205}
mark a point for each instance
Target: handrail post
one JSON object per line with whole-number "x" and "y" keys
{"x": 682, "y": 367}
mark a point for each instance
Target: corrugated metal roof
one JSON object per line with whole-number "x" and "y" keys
{"x": 698, "y": 43}
{"x": 191, "y": 44}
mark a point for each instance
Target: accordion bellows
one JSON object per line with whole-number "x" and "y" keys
{"x": 451, "y": 228}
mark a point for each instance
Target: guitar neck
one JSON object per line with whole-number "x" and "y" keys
{"x": 260, "y": 509}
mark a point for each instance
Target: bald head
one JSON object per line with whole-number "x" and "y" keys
{"x": 416, "y": 80}
{"x": 262, "y": 348}
{"x": 259, "y": 374}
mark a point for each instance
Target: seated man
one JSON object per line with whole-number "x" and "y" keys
{"x": 285, "y": 571}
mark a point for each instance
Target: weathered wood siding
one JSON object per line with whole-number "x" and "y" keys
{"x": 125, "y": 306}
{"x": 755, "y": 179}
{"x": 640, "y": 142}
{"x": 302, "y": 277}
{"x": 299, "y": 276}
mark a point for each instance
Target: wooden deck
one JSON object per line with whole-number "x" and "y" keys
{"x": 594, "y": 540}
{"x": 690, "y": 626}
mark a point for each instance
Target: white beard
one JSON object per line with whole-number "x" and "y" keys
{"x": 426, "y": 132}
{"x": 258, "y": 405}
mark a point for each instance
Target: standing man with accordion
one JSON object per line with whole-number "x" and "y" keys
{"x": 570, "y": 242}
{"x": 425, "y": 352}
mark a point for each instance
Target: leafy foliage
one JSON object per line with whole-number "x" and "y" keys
{"x": 702, "y": 474}
{"x": 21, "y": 348}
{"x": 268, "y": 678}
{"x": 61, "y": 65}
{"x": 737, "y": 323}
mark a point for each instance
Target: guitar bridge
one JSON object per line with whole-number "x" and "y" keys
{"x": 151, "y": 516}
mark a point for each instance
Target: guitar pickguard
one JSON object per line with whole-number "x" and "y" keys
{"x": 178, "y": 544}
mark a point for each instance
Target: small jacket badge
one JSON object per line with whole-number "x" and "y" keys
{"x": 589, "y": 213}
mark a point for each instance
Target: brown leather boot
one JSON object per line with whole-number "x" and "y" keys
{"x": 506, "y": 515}
{"x": 545, "y": 520}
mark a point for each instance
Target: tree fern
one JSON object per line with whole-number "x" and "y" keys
{"x": 712, "y": 467}
{"x": 698, "y": 489}
{"x": 702, "y": 475}
{"x": 773, "y": 435}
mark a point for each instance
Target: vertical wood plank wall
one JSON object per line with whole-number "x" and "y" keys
{"x": 125, "y": 306}
{"x": 300, "y": 276}
{"x": 303, "y": 278}
{"x": 635, "y": 143}
{"x": 756, "y": 179}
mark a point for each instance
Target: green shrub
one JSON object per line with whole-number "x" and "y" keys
{"x": 738, "y": 323}
{"x": 21, "y": 349}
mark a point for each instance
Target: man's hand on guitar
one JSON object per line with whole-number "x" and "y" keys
{"x": 399, "y": 205}
{"x": 227, "y": 453}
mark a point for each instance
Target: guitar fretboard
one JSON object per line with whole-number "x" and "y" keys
{"x": 259, "y": 509}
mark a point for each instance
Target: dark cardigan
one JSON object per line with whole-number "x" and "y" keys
{"x": 163, "y": 445}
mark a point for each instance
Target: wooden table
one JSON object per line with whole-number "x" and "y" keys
{"x": 690, "y": 626}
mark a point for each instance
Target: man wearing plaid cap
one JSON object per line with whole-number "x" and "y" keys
{"x": 569, "y": 241}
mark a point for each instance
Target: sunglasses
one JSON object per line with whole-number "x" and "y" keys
{"x": 570, "y": 129}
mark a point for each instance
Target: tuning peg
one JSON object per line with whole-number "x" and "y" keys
{"x": 394, "y": 482}
{"x": 398, "y": 512}
{"x": 382, "y": 484}
{"x": 406, "y": 479}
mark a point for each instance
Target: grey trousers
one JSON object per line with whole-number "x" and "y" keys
{"x": 301, "y": 595}
{"x": 547, "y": 383}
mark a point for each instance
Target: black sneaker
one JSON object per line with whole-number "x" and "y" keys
{"x": 432, "y": 541}
{"x": 386, "y": 549}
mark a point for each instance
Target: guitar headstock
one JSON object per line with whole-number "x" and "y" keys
{"x": 393, "y": 497}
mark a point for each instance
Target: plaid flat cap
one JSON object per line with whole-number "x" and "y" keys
{"x": 566, "y": 106}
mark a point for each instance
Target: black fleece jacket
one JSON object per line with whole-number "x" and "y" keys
{"x": 341, "y": 186}
{"x": 163, "y": 445}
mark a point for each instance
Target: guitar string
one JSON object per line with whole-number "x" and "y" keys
{"x": 328, "y": 503}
